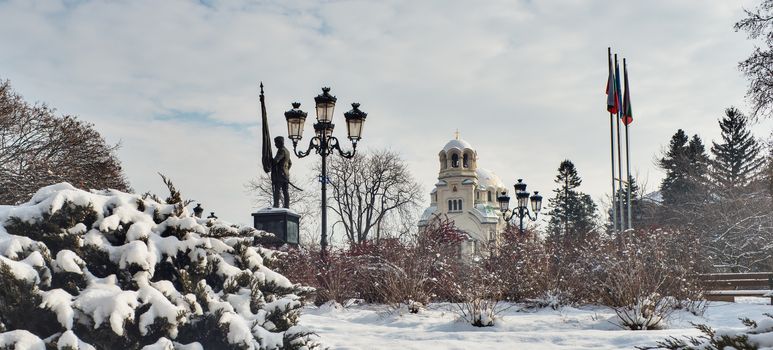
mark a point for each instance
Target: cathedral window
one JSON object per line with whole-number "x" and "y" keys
{"x": 466, "y": 161}
{"x": 489, "y": 196}
{"x": 455, "y": 160}
{"x": 454, "y": 205}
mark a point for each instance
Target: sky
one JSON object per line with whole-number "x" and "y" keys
{"x": 176, "y": 82}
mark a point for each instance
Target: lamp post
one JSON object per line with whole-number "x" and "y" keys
{"x": 522, "y": 200}
{"x": 198, "y": 210}
{"x": 323, "y": 142}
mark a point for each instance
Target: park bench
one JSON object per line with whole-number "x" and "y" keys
{"x": 728, "y": 286}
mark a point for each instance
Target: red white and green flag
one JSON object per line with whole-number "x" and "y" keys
{"x": 612, "y": 91}
{"x": 627, "y": 116}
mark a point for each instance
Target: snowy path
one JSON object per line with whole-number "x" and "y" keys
{"x": 370, "y": 327}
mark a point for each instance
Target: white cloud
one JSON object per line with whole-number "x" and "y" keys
{"x": 522, "y": 80}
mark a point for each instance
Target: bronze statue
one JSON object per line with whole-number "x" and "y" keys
{"x": 280, "y": 173}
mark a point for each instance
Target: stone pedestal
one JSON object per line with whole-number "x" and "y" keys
{"x": 280, "y": 221}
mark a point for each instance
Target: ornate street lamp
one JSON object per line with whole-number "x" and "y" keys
{"x": 522, "y": 201}
{"x": 323, "y": 142}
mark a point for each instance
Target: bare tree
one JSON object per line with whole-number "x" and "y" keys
{"x": 758, "y": 68}
{"x": 39, "y": 148}
{"x": 374, "y": 194}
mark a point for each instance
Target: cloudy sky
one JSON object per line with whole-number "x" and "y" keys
{"x": 176, "y": 82}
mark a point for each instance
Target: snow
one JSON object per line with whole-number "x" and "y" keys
{"x": 238, "y": 330}
{"x": 69, "y": 340}
{"x": 21, "y": 339}
{"x": 104, "y": 300}
{"x": 21, "y": 269}
{"x": 59, "y": 301}
{"x": 160, "y": 306}
{"x": 166, "y": 344}
{"x": 437, "y": 327}
{"x": 68, "y": 261}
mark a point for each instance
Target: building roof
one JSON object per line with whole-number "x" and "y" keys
{"x": 487, "y": 178}
{"x": 457, "y": 144}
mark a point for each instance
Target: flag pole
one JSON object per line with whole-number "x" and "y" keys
{"x": 627, "y": 146}
{"x": 619, "y": 150}
{"x": 612, "y": 153}
{"x": 612, "y": 148}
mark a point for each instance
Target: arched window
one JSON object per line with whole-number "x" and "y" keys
{"x": 489, "y": 196}
{"x": 455, "y": 160}
{"x": 443, "y": 161}
{"x": 450, "y": 207}
{"x": 460, "y": 204}
{"x": 466, "y": 161}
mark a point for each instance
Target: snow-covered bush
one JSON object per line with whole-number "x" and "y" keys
{"x": 410, "y": 273}
{"x": 525, "y": 265}
{"x": 553, "y": 298}
{"x": 645, "y": 275}
{"x": 394, "y": 272}
{"x": 758, "y": 335}
{"x": 107, "y": 269}
{"x": 480, "y": 293}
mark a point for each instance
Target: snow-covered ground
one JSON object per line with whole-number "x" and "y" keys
{"x": 591, "y": 327}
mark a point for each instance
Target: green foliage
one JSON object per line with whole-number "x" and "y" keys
{"x": 713, "y": 340}
{"x": 638, "y": 216}
{"x": 51, "y": 230}
{"x": 686, "y": 166}
{"x": 738, "y": 158}
{"x": 18, "y": 300}
{"x": 194, "y": 270}
{"x": 572, "y": 213}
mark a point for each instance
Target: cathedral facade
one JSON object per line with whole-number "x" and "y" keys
{"x": 467, "y": 194}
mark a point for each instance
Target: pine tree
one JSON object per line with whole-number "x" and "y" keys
{"x": 573, "y": 213}
{"x": 738, "y": 159}
{"x": 637, "y": 215}
{"x": 686, "y": 166}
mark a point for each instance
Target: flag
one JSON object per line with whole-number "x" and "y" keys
{"x": 627, "y": 111}
{"x": 612, "y": 105}
{"x": 618, "y": 95}
{"x": 268, "y": 155}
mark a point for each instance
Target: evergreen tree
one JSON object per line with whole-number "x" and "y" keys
{"x": 738, "y": 159}
{"x": 573, "y": 213}
{"x": 637, "y": 215}
{"x": 686, "y": 166}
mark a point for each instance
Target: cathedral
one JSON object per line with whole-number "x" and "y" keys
{"x": 467, "y": 194}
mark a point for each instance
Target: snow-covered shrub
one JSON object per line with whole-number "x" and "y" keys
{"x": 480, "y": 293}
{"x": 524, "y": 264}
{"x": 107, "y": 269}
{"x": 553, "y": 298}
{"x": 410, "y": 273}
{"x": 644, "y": 275}
{"x": 758, "y": 335}
{"x": 394, "y": 272}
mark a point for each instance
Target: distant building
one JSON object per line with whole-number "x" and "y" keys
{"x": 467, "y": 194}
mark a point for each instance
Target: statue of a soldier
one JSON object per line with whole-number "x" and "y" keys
{"x": 280, "y": 173}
